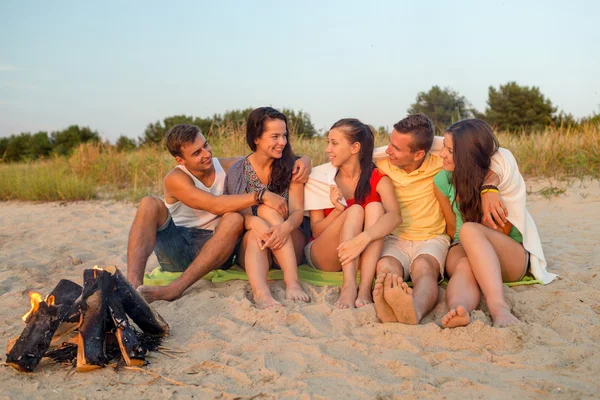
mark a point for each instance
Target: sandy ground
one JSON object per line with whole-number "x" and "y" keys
{"x": 233, "y": 350}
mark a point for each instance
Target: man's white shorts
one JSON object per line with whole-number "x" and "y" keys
{"x": 406, "y": 251}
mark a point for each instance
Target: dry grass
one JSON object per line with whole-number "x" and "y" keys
{"x": 99, "y": 171}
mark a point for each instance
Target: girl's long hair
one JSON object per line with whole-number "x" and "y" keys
{"x": 474, "y": 144}
{"x": 356, "y": 131}
{"x": 281, "y": 170}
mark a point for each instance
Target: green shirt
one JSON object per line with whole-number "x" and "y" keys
{"x": 443, "y": 181}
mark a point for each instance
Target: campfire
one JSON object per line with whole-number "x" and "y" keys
{"x": 98, "y": 313}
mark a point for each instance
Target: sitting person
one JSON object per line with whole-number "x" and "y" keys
{"x": 269, "y": 234}
{"x": 195, "y": 229}
{"x": 481, "y": 256}
{"x": 349, "y": 235}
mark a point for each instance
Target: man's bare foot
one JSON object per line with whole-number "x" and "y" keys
{"x": 456, "y": 317}
{"x": 399, "y": 296}
{"x": 347, "y": 297}
{"x": 264, "y": 300}
{"x": 153, "y": 293}
{"x": 503, "y": 317}
{"x": 383, "y": 309}
{"x": 294, "y": 292}
{"x": 364, "y": 297}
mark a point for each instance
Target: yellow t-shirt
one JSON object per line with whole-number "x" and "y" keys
{"x": 422, "y": 217}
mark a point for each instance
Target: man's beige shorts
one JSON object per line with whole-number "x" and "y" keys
{"x": 406, "y": 251}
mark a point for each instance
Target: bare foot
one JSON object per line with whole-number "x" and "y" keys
{"x": 456, "y": 317}
{"x": 264, "y": 300}
{"x": 153, "y": 293}
{"x": 399, "y": 296}
{"x": 294, "y": 292}
{"x": 383, "y": 309}
{"x": 364, "y": 297}
{"x": 503, "y": 317}
{"x": 347, "y": 296}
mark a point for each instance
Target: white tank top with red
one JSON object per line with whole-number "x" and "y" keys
{"x": 192, "y": 218}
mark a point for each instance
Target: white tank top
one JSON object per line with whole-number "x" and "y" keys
{"x": 192, "y": 218}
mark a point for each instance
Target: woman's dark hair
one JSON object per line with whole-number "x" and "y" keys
{"x": 281, "y": 170}
{"x": 356, "y": 131}
{"x": 474, "y": 144}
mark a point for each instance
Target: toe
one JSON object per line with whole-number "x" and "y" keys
{"x": 387, "y": 283}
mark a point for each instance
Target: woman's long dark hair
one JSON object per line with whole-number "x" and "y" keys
{"x": 474, "y": 144}
{"x": 281, "y": 170}
{"x": 356, "y": 131}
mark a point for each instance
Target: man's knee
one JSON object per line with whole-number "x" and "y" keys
{"x": 153, "y": 208}
{"x": 389, "y": 264}
{"x": 232, "y": 222}
{"x": 425, "y": 265}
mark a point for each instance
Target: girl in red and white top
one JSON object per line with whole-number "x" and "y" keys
{"x": 350, "y": 237}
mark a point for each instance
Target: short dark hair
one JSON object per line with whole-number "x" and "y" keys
{"x": 420, "y": 127}
{"x": 179, "y": 135}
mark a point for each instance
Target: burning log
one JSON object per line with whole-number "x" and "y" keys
{"x": 132, "y": 352}
{"x": 136, "y": 307}
{"x": 92, "y": 327}
{"x": 41, "y": 321}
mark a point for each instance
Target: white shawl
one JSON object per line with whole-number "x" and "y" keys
{"x": 513, "y": 191}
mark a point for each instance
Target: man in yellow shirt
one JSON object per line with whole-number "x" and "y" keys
{"x": 417, "y": 249}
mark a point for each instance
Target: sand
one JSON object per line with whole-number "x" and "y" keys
{"x": 233, "y": 350}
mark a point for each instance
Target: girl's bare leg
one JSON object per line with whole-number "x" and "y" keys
{"x": 495, "y": 258}
{"x": 256, "y": 263}
{"x": 369, "y": 257}
{"x": 462, "y": 294}
{"x": 286, "y": 257}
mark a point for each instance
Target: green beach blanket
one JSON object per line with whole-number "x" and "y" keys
{"x": 315, "y": 277}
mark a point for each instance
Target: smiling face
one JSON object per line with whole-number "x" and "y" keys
{"x": 447, "y": 153}
{"x": 196, "y": 156}
{"x": 273, "y": 139}
{"x": 400, "y": 153}
{"x": 339, "y": 149}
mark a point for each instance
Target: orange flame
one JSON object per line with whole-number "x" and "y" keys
{"x": 36, "y": 299}
{"x": 96, "y": 268}
{"x": 50, "y": 300}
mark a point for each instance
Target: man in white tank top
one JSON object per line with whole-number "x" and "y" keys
{"x": 196, "y": 228}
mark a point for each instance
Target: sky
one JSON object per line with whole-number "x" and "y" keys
{"x": 118, "y": 66}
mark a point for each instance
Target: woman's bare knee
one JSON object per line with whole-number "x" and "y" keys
{"x": 270, "y": 215}
{"x": 468, "y": 230}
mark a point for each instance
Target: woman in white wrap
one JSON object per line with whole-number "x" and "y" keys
{"x": 483, "y": 255}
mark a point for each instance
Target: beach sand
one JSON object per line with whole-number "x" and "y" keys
{"x": 232, "y": 350}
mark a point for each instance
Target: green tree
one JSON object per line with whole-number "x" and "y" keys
{"x": 40, "y": 145}
{"x": 513, "y": 107}
{"x": 3, "y": 148}
{"x": 64, "y": 141}
{"x": 125, "y": 143}
{"x": 443, "y": 106}
{"x": 155, "y": 133}
{"x": 300, "y": 123}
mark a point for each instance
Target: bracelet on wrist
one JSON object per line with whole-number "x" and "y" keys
{"x": 484, "y": 187}
{"x": 484, "y": 191}
{"x": 261, "y": 194}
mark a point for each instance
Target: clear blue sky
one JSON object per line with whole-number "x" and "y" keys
{"x": 116, "y": 66}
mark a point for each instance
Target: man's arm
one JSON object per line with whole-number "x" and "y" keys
{"x": 181, "y": 187}
{"x": 300, "y": 172}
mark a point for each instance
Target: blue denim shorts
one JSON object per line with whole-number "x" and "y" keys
{"x": 177, "y": 246}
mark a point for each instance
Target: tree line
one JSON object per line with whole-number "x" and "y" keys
{"x": 510, "y": 107}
